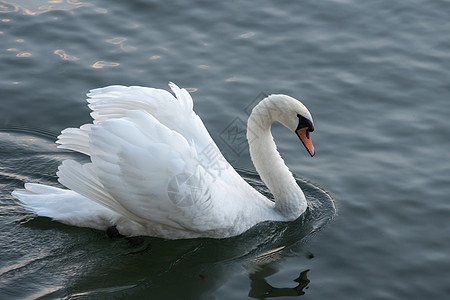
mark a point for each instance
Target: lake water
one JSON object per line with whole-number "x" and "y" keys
{"x": 375, "y": 76}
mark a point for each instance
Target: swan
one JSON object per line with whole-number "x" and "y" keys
{"x": 155, "y": 170}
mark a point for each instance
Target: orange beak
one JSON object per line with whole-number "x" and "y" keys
{"x": 304, "y": 136}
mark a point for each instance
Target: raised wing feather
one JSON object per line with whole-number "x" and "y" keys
{"x": 76, "y": 139}
{"x": 114, "y": 101}
{"x": 151, "y": 156}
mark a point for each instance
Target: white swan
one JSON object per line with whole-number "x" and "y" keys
{"x": 156, "y": 171}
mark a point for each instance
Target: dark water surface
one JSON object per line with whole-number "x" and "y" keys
{"x": 374, "y": 74}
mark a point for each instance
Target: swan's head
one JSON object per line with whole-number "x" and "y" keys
{"x": 291, "y": 113}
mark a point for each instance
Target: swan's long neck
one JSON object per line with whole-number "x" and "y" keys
{"x": 289, "y": 198}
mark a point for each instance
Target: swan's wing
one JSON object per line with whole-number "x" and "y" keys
{"x": 114, "y": 101}
{"x": 141, "y": 166}
{"x": 75, "y": 139}
{"x": 153, "y": 157}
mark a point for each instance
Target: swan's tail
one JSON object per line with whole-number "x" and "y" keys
{"x": 65, "y": 206}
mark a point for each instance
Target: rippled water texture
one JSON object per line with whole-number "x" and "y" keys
{"x": 375, "y": 77}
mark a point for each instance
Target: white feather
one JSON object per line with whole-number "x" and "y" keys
{"x": 149, "y": 174}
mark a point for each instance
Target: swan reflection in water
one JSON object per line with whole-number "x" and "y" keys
{"x": 193, "y": 269}
{"x": 260, "y": 288}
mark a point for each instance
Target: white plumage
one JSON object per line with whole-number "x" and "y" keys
{"x": 148, "y": 174}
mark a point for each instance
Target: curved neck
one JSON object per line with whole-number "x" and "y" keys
{"x": 289, "y": 198}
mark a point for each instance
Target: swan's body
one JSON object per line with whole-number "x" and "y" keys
{"x": 156, "y": 171}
